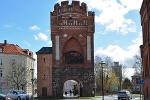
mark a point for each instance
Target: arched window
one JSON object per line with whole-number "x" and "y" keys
{"x": 73, "y": 57}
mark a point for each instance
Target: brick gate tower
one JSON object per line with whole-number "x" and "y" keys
{"x": 72, "y": 52}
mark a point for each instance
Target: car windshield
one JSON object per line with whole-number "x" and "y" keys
{"x": 122, "y": 92}
{"x": 20, "y": 92}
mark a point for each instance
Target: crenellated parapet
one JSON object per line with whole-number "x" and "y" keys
{"x": 72, "y": 15}
{"x": 65, "y": 7}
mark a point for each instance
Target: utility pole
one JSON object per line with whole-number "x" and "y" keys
{"x": 101, "y": 65}
{"x": 32, "y": 73}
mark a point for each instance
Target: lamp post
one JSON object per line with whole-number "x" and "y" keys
{"x": 101, "y": 65}
{"x": 32, "y": 80}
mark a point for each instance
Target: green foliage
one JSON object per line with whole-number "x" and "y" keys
{"x": 127, "y": 84}
{"x": 112, "y": 81}
{"x": 109, "y": 77}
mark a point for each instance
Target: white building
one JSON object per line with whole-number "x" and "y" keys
{"x": 11, "y": 55}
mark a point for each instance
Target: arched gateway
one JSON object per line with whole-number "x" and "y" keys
{"x": 71, "y": 57}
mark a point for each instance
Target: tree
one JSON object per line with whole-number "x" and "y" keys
{"x": 112, "y": 81}
{"x": 127, "y": 84}
{"x": 109, "y": 78}
{"x": 16, "y": 75}
{"x": 118, "y": 70}
{"x": 137, "y": 65}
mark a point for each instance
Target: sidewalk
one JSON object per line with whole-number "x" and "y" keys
{"x": 70, "y": 96}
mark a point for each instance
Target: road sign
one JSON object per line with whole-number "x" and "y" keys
{"x": 141, "y": 81}
{"x": 116, "y": 88}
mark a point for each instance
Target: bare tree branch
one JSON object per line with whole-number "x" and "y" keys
{"x": 16, "y": 75}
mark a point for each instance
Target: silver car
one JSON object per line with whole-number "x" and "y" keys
{"x": 17, "y": 95}
{"x": 124, "y": 95}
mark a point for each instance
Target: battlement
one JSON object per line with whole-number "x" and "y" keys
{"x": 65, "y": 7}
{"x": 72, "y": 14}
{"x": 90, "y": 13}
{"x": 63, "y": 3}
{"x": 75, "y": 2}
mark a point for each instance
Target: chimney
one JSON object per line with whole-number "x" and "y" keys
{"x": 5, "y": 42}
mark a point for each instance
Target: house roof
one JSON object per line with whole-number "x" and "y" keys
{"x": 7, "y": 48}
{"x": 45, "y": 50}
{"x": 11, "y": 49}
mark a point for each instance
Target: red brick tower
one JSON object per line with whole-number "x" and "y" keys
{"x": 72, "y": 54}
{"x": 72, "y": 34}
{"x": 145, "y": 48}
{"x": 44, "y": 72}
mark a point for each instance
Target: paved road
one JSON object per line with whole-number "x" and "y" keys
{"x": 110, "y": 97}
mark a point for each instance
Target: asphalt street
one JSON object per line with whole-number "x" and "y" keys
{"x": 109, "y": 97}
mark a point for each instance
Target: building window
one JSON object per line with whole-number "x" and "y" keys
{"x": 137, "y": 80}
{"x": 73, "y": 57}
{"x": 1, "y": 61}
{"x": 1, "y": 73}
{"x": 76, "y": 22}
{"x": 23, "y": 63}
{"x": 13, "y": 62}
{"x": 86, "y": 22}
{"x": 59, "y": 11}
{"x": 44, "y": 59}
{"x": 66, "y": 22}
{"x": 13, "y": 74}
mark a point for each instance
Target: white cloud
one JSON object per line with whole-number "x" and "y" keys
{"x": 132, "y": 4}
{"x": 128, "y": 73}
{"x": 34, "y": 28}
{"x": 49, "y": 42}
{"x": 112, "y": 13}
{"x": 125, "y": 57}
{"x": 116, "y": 53}
{"x": 35, "y": 37}
{"x": 8, "y": 25}
{"x": 40, "y": 36}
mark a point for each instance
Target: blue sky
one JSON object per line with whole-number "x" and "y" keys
{"x": 117, "y": 26}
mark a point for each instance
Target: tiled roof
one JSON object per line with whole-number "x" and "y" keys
{"x": 11, "y": 49}
{"x": 45, "y": 50}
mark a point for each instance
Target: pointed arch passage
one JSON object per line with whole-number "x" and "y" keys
{"x": 73, "y": 57}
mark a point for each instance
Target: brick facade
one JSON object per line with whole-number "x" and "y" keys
{"x": 145, "y": 47}
{"x": 72, "y": 31}
{"x": 44, "y": 76}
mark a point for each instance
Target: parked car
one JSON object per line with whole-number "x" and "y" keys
{"x": 17, "y": 94}
{"x": 2, "y": 97}
{"x": 124, "y": 95}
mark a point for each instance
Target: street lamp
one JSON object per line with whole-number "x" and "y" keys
{"x": 32, "y": 80}
{"x": 101, "y": 65}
